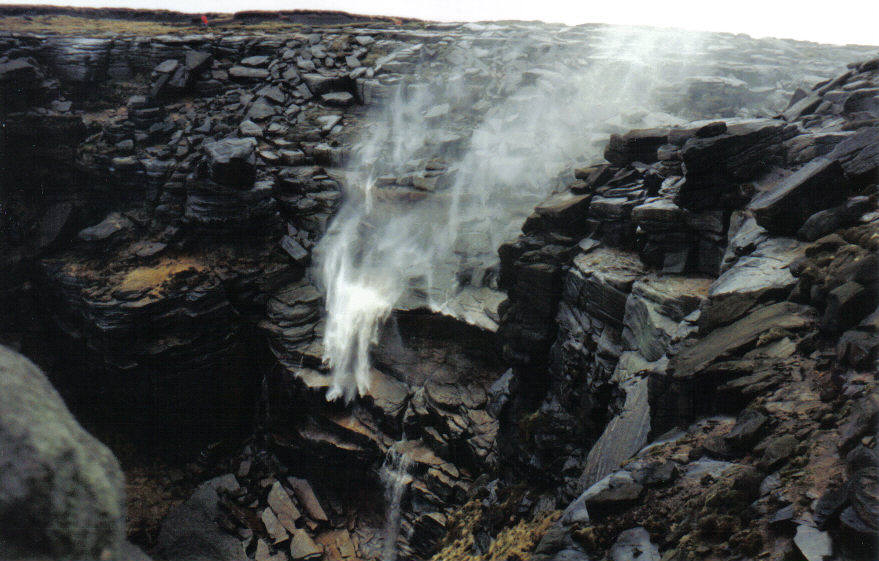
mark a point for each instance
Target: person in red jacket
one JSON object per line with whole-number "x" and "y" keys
{"x": 204, "y": 21}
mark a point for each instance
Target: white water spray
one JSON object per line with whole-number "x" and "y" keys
{"x": 448, "y": 170}
{"x": 395, "y": 478}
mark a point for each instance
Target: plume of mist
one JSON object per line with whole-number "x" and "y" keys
{"x": 504, "y": 115}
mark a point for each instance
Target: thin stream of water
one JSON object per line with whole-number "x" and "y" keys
{"x": 395, "y": 478}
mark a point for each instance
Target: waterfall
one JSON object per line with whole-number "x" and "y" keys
{"x": 395, "y": 478}
{"x": 460, "y": 152}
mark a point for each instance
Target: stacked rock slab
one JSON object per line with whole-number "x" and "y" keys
{"x": 195, "y": 238}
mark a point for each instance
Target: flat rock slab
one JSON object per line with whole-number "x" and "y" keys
{"x": 337, "y": 99}
{"x": 693, "y": 358}
{"x": 283, "y": 507}
{"x": 303, "y": 547}
{"x": 617, "y": 487}
{"x": 623, "y": 437}
{"x": 245, "y": 73}
{"x": 113, "y": 226}
{"x": 634, "y": 545}
{"x": 763, "y": 273}
{"x": 814, "y": 544}
{"x": 273, "y": 526}
{"x": 308, "y": 499}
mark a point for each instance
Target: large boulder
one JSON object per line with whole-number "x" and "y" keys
{"x": 716, "y": 165}
{"x": 784, "y": 208}
{"x": 191, "y": 532}
{"x": 20, "y": 84}
{"x": 635, "y": 146}
{"x": 62, "y": 492}
{"x": 232, "y": 161}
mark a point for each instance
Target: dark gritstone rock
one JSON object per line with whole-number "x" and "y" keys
{"x": 823, "y": 222}
{"x": 232, "y": 162}
{"x": 230, "y": 209}
{"x": 635, "y": 146}
{"x": 320, "y": 84}
{"x": 716, "y": 165}
{"x": 779, "y": 450}
{"x": 61, "y": 491}
{"x": 564, "y": 213}
{"x": 863, "y": 421}
{"x": 785, "y": 207}
{"x": 859, "y": 154}
{"x": 20, "y": 84}
{"x": 191, "y": 531}
{"x": 701, "y": 353}
{"x": 830, "y": 504}
{"x": 655, "y": 308}
{"x": 846, "y": 305}
{"x": 864, "y": 492}
{"x": 747, "y": 429}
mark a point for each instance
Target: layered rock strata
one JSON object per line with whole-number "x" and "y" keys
{"x": 159, "y": 247}
{"x": 682, "y": 290}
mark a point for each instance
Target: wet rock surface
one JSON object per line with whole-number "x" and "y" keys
{"x": 161, "y": 237}
{"x": 722, "y": 322}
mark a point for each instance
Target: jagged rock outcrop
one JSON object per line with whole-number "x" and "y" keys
{"x": 689, "y": 293}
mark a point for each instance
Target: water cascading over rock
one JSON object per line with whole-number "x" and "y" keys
{"x": 454, "y": 161}
{"x": 395, "y": 478}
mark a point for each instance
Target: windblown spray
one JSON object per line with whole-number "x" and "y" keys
{"x": 453, "y": 162}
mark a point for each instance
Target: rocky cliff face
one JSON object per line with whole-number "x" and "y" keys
{"x": 686, "y": 326}
{"x": 691, "y": 289}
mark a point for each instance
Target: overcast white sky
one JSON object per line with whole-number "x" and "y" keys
{"x": 826, "y": 21}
